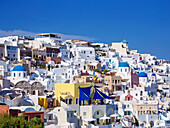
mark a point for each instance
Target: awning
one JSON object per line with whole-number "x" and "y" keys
{"x": 50, "y": 113}
{"x": 102, "y": 94}
{"x": 6, "y": 89}
{"x": 104, "y": 118}
{"x": 114, "y": 115}
{"x": 86, "y": 90}
{"x": 5, "y": 93}
{"x": 89, "y": 119}
{"x": 97, "y": 95}
{"x": 18, "y": 89}
{"x": 82, "y": 95}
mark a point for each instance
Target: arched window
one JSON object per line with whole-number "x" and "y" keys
{"x": 14, "y": 74}
{"x": 24, "y": 75}
{"x": 19, "y": 74}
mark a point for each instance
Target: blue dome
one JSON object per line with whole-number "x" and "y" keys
{"x": 123, "y": 64}
{"x": 142, "y": 74}
{"x": 29, "y": 109}
{"x": 124, "y": 41}
{"x": 153, "y": 74}
{"x": 18, "y": 68}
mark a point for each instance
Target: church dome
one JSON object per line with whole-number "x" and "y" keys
{"x": 29, "y": 109}
{"x": 124, "y": 41}
{"x": 153, "y": 74}
{"x": 18, "y": 68}
{"x": 123, "y": 64}
{"x": 142, "y": 74}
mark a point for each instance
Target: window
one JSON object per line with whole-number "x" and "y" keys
{"x": 84, "y": 52}
{"x": 84, "y": 113}
{"x": 77, "y": 100}
{"x": 1, "y": 54}
{"x": 120, "y": 70}
{"x": 70, "y": 101}
{"x": 66, "y": 101}
{"x": 19, "y": 74}
{"x": 115, "y": 81}
{"x": 97, "y": 112}
{"x": 13, "y": 55}
{"x": 71, "y": 114}
{"x": 14, "y": 74}
{"x": 90, "y": 52}
{"x": 67, "y": 115}
{"x": 125, "y": 70}
{"x": 58, "y": 110}
{"x": 24, "y": 75}
{"x": 141, "y": 93}
{"x": 50, "y": 117}
{"x": 8, "y": 55}
{"x": 125, "y": 113}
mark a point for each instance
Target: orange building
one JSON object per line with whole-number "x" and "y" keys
{"x": 31, "y": 114}
{"x": 4, "y": 109}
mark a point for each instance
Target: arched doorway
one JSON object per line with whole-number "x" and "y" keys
{"x": 151, "y": 123}
{"x": 97, "y": 115}
{"x": 37, "y": 86}
{"x": 23, "y": 85}
{"x": 110, "y": 111}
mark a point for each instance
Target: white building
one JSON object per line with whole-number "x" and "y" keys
{"x": 53, "y": 39}
{"x": 18, "y": 73}
{"x": 143, "y": 78}
{"x": 12, "y": 53}
{"x": 65, "y": 117}
{"x": 121, "y": 47}
{"x": 3, "y": 69}
{"x": 87, "y": 53}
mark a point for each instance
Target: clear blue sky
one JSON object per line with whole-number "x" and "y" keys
{"x": 145, "y": 24}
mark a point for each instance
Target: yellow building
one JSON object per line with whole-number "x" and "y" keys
{"x": 42, "y": 102}
{"x": 69, "y": 92}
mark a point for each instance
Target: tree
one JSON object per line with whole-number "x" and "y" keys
{"x": 7, "y": 121}
{"x": 51, "y": 67}
{"x": 35, "y": 123}
{"x": 97, "y": 70}
{"x": 97, "y": 46}
{"x": 105, "y": 71}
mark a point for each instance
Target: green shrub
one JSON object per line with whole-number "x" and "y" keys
{"x": 7, "y": 121}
